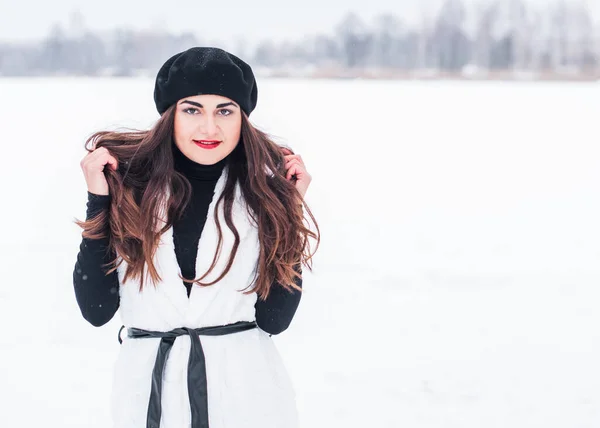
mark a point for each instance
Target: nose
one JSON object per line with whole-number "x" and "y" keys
{"x": 209, "y": 127}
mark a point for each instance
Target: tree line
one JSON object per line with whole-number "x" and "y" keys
{"x": 491, "y": 38}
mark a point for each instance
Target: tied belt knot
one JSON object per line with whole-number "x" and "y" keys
{"x": 197, "y": 385}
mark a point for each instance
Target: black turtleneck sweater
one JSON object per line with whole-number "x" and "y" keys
{"x": 97, "y": 293}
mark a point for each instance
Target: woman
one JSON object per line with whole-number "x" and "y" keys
{"x": 203, "y": 193}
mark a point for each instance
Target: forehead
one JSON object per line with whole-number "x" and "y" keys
{"x": 207, "y": 99}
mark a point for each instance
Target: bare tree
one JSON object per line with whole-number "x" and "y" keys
{"x": 387, "y": 50}
{"x": 582, "y": 37}
{"x": 519, "y": 34}
{"x": 355, "y": 40}
{"x": 266, "y": 54}
{"x": 424, "y": 57}
{"x": 559, "y": 36}
{"x": 503, "y": 35}
{"x": 54, "y": 56}
{"x": 486, "y": 15}
{"x": 452, "y": 46}
{"x": 325, "y": 50}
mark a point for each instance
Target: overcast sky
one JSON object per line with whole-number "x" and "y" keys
{"x": 216, "y": 20}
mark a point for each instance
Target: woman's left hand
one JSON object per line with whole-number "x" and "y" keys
{"x": 295, "y": 167}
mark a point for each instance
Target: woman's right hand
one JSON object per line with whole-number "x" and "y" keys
{"x": 93, "y": 169}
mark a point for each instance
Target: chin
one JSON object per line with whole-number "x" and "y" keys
{"x": 209, "y": 157}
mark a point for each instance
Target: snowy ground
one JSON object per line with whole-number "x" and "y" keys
{"x": 456, "y": 284}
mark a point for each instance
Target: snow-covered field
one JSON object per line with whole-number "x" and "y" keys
{"x": 457, "y": 284}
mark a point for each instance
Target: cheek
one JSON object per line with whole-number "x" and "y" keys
{"x": 180, "y": 128}
{"x": 176, "y": 126}
{"x": 234, "y": 131}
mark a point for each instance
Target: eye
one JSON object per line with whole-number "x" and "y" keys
{"x": 225, "y": 112}
{"x": 190, "y": 110}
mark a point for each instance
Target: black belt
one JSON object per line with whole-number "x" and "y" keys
{"x": 197, "y": 386}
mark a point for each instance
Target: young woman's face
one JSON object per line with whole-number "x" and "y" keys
{"x": 207, "y": 127}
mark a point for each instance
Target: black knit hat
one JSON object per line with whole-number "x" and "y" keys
{"x": 205, "y": 70}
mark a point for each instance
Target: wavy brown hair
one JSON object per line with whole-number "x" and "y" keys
{"x": 146, "y": 169}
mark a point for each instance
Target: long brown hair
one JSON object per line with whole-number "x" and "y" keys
{"x": 145, "y": 170}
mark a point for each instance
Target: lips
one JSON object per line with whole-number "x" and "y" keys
{"x": 207, "y": 142}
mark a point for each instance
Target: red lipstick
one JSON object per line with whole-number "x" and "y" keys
{"x": 207, "y": 144}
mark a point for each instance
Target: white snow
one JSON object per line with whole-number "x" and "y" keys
{"x": 456, "y": 284}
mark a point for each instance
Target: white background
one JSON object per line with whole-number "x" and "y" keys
{"x": 457, "y": 280}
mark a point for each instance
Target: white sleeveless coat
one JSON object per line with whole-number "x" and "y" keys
{"x": 248, "y": 385}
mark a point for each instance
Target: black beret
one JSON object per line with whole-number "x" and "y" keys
{"x": 205, "y": 70}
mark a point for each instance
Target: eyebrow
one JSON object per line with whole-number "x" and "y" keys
{"x": 201, "y": 106}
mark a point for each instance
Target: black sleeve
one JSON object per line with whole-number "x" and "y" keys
{"x": 97, "y": 294}
{"x": 275, "y": 314}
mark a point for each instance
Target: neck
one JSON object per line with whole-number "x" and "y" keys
{"x": 194, "y": 170}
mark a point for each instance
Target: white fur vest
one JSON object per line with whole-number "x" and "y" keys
{"x": 247, "y": 383}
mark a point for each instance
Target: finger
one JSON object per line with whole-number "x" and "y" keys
{"x": 99, "y": 158}
{"x": 97, "y": 154}
{"x": 295, "y": 170}
{"x": 290, "y": 172}
{"x": 297, "y": 157}
{"x": 293, "y": 162}
{"x": 113, "y": 162}
{"x": 89, "y": 155}
{"x": 100, "y": 150}
{"x": 286, "y": 151}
